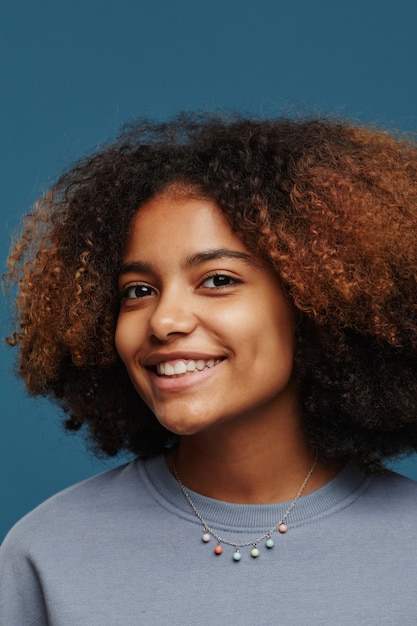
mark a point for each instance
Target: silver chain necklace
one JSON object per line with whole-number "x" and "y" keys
{"x": 280, "y": 526}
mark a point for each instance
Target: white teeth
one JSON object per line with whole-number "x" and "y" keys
{"x": 182, "y": 367}
{"x": 169, "y": 369}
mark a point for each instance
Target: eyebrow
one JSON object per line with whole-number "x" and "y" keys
{"x": 142, "y": 267}
{"x": 219, "y": 253}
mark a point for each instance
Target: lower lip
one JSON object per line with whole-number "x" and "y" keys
{"x": 185, "y": 381}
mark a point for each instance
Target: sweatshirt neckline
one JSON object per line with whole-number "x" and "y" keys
{"x": 337, "y": 493}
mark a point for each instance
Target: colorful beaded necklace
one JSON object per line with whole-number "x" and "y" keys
{"x": 208, "y": 532}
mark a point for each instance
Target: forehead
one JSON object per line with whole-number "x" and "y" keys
{"x": 175, "y": 224}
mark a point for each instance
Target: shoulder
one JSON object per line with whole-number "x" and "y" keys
{"x": 81, "y": 506}
{"x": 394, "y": 485}
{"x": 392, "y": 494}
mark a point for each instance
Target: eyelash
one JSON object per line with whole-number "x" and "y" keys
{"x": 125, "y": 293}
{"x": 219, "y": 275}
{"x": 147, "y": 288}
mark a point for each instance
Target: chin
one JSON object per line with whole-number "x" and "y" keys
{"x": 183, "y": 429}
{"x": 177, "y": 426}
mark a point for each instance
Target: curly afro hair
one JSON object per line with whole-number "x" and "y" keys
{"x": 330, "y": 205}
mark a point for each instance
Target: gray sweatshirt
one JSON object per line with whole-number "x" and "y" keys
{"x": 124, "y": 548}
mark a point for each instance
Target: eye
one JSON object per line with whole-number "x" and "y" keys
{"x": 133, "y": 292}
{"x": 217, "y": 281}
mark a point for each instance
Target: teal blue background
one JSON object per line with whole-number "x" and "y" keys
{"x": 72, "y": 72}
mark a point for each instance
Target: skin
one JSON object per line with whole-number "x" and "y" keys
{"x": 192, "y": 292}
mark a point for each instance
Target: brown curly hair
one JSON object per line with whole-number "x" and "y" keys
{"x": 332, "y": 206}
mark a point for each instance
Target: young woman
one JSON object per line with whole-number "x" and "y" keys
{"x": 234, "y": 302}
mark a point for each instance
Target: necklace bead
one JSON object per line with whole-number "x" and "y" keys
{"x": 206, "y": 537}
{"x": 269, "y": 543}
{"x": 237, "y": 556}
{"x": 218, "y": 550}
{"x": 254, "y": 553}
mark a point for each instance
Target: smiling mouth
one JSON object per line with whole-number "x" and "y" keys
{"x": 182, "y": 367}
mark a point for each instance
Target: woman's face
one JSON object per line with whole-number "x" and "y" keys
{"x": 205, "y": 330}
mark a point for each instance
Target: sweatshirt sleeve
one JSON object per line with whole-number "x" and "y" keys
{"x": 21, "y": 596}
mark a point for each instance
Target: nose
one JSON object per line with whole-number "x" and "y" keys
{"x": 172, "y": 315}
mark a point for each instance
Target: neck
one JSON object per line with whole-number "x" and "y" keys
{"x": 249, "y": 464}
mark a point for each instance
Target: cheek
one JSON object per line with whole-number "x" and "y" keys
{"x": 279, "y": 341}
{"x": 118, "y": 338}
{"x": 125, "y": 338}
{"x": 283, "y": 322}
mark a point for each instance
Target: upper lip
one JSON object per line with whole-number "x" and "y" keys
{"x": 161, "y": 357}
